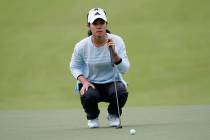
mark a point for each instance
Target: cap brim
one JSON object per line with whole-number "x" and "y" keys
{"x": 97, "y": 17}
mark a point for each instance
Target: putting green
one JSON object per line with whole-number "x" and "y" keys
{"x": 159, "y": 123}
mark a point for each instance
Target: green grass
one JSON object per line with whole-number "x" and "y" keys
{"x": 154, "y": 123}
{"x": 167, "y": 43}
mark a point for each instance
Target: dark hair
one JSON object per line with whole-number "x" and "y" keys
{"x": 90, "y": 33}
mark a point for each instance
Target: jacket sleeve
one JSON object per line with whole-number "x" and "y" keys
{"x": 124, "y": 66}
{"x": 76, "y": 62}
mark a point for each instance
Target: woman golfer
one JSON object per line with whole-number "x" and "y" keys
{"x": 91, "y": 66}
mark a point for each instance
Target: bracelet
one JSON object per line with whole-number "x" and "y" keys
{"x": 79, "y": 76}
{"x": 118, "y": 62}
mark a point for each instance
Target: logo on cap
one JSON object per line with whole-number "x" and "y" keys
{"x": 97, "y": 13}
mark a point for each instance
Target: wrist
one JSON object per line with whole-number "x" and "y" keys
{"x": 82, "y": 79}
{"x": 117, "y": 59}
{"x": 118, "y": 62}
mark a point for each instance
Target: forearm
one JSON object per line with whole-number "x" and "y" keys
{"x": 116, "y": 58}
{"x": 123, "y": 66}
{"x": 121, "y": 61}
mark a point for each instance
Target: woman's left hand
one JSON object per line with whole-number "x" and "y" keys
{"x": 115, "y": 56}
{"x": 111, "y": 44}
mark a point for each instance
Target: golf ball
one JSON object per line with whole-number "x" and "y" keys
{"x": 132, "y": 131}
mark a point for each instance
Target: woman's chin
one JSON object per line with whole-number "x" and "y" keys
{"x": 100, "y": 34}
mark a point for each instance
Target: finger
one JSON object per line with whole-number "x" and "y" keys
{"x": 86, "y": 88}
{"x": 112, "y": 46}
{"x": 92, "y": 86}
{"x": 82, "y": 91}
{"x": 109, "y": 40}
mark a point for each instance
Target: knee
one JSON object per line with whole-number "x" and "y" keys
{"x": 121, "y": 89}
{"x": 90, "y": 95}
{"x": 122, "y": 95}
{"x": 121, "y": 92}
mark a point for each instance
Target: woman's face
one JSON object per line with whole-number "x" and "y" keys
{"x": 98, "y": 27}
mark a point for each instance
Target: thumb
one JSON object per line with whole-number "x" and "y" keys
{"x": 82, "y": 91}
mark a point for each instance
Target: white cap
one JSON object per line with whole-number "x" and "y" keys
{"x": 96, "y": 13}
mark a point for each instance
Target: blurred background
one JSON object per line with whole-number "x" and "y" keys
{"x": 168, "y": 44}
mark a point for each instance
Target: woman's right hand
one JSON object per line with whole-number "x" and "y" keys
{"x": 85, "y": 87}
